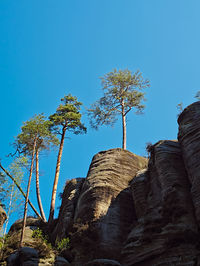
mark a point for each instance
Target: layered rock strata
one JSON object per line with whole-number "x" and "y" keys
{"x": 189, "y": 138}
{"x": 166, "y": 232}
{"x": 67, "y": 210}
{"x": 105, "y": 210}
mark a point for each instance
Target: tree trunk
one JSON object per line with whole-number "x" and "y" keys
{"x": 27, "y": 194}
{"x": 123, "y": 126}
{"x": 7, "y": 220}
{"x": 20, "y": 189}
{"x": 8, "y": 213}
{"x": 38, "y": 186}
{"x": 54, "y": 190}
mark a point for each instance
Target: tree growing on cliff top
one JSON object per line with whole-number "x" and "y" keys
{"x": 122, "y": 92}
{"x": 66, "y": 118}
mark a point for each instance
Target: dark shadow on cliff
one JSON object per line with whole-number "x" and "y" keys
{"x": 104, "y": 237}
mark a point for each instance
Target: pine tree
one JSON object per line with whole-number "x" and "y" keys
{"x": 66, "y": 118}
{"x": 122, "y": 92}
{"x": 35, "y": 136}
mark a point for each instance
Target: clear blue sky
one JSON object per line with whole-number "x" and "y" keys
{"x": 51, "y": 48}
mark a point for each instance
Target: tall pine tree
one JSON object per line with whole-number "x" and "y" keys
{"x": 66, "y": 118}
{"x": 122, "y": 92}
{"x": 35, "y": 135}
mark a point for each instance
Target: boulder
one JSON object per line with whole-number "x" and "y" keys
{"x": 31, "y": 222}
{"x": 60, "y": 261}
{"x": 13, "y": 259}
{"x": 28, "y": 256}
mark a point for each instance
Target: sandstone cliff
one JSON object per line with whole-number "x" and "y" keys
{"x": 131, "y": 211}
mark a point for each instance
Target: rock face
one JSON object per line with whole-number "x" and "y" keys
{"x": 105, "y": 209}
{"x": 67, "y": 210}
{"x": 166, "y": 232}
{"x": 131, "y": 211}
{"x": 3, "y": 217}
{"x": 189, "y": 138}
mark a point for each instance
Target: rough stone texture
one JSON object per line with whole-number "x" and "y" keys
{"x": 166, "y": 232}
{"x": 105, "y": 210}
{"x": 66, "y": 214}
{"x": 24, "y": 256}
{"x": 31, "y": 222}
{"x": 28, "y": 256}
{"x": 60, "y": 261}
{"x": 125, "y": 213}
{"x": 189, "y": 138}
{"x": 3, "y": 217}
{"x": 13, "y": 259}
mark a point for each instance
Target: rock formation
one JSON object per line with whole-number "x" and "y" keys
{"x": 166, "y": 232}
{"x": 3, "y": 217}
{"x": 105, "y": 210}
{"x": 131, "y": 211}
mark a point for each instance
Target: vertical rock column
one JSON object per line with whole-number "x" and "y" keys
{"x": 166, "y": 232}
{"x": 189, "y": 138}
{"x": 105, "y": 204}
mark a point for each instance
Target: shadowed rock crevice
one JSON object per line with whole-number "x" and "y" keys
{"x": 65, "y": 219}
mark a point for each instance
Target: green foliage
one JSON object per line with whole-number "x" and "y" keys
{"x": 42, "y": 244}
{"x": 3, "y": 190}
{"x": 67, "y": 116}
{"x": 64, "y": 243}
{"x": 14, "y": 198}
{"x": 38, "y": 233}
{"x": 10, "y": 196}
{"x": 1, "y": 243}
{"x": 36, "y": 128}
{"x": 122, "y": 92}
{"x": 4, "y": 243}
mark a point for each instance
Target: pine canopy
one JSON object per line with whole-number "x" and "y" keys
{"x": 68, "y": 116}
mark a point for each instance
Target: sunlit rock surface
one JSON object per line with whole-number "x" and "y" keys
{"x": 105, "y": 210}
{"x": 3, "y": 217}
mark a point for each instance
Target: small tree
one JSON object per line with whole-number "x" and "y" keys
{"x": 14, "y": 196}
{"x": 66, "y": 118}
{"x": 18, "y": 186}
{"x": 35, "y": 135}
{"x": 122, "y": 92}
{"x": 4, "y": 190}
